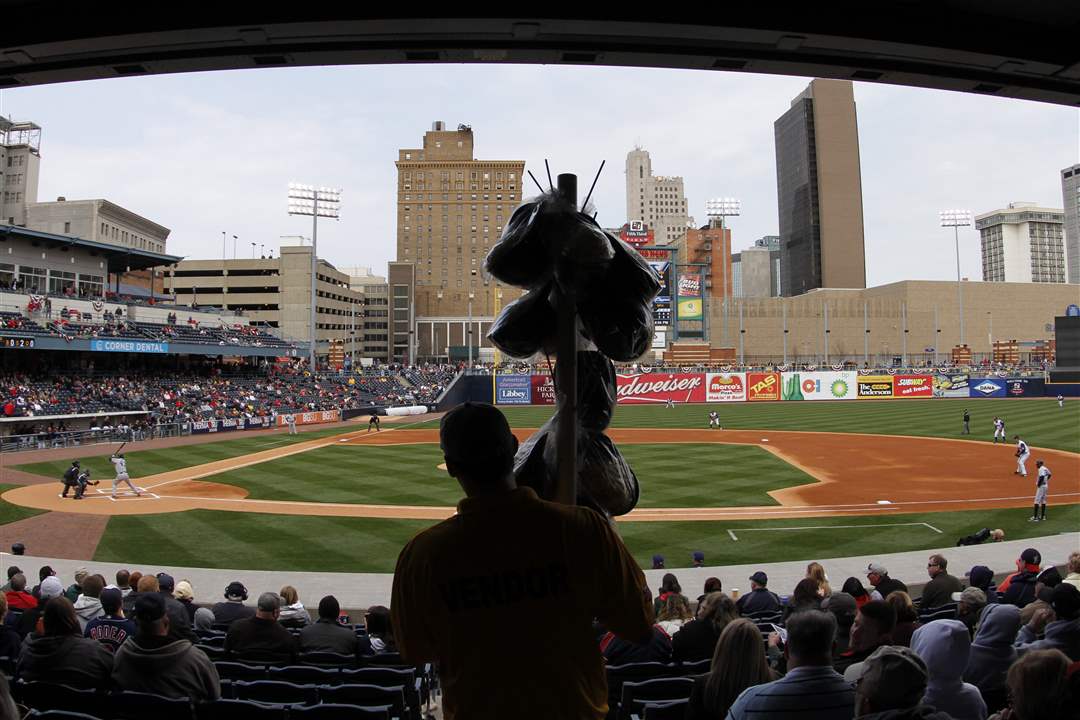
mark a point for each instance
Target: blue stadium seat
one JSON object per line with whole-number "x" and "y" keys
{"x": 307, "y": 674}
{"x": 129, "y": 705}
{"x": 942, "y": 612}
{"x": 58, "y": 715}
{"x": 239, "y": 710}
{"x": 276, "y": 692}
{"x": 366, "y": 695}
{"x": 674, "y": 710}
{"x": 240, "y": 671}
{"x": 328, "y": 659}
{"x": 334, "y": 711}
{"x": 635, "y": 694}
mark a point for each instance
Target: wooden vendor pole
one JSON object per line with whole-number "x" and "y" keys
{"x": 566, "y": 378}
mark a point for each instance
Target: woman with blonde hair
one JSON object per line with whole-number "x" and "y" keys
{"x": 674, "y": 612}
{"x": 816, "y": 572}
{"x": 738, "y": 663}
{"x": 293, "y": 613}
{"x": 697, "y": 639}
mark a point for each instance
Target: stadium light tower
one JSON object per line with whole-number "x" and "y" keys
{"x": 316, "y": 202}
{"x": 723, "y": 208}
{"x": 957, "y": 219}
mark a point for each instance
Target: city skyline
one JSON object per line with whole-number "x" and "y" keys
{"x": 212, "y": 152}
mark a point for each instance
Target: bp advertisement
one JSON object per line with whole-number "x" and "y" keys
{"x": 954, "y": 385}
{"x": 729, "y": 387}
{"x": 913, "y": 386}
{"x": 875, "y": 386}
{"x": 513, "y": 390}
{"x": 762, "y": 386}
{"x": 818, "y": 385}
{"x": 690, "y": 302}
{"x": 987, "y": 388}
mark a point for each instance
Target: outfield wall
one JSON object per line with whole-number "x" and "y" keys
{"x": 826, "y": 385}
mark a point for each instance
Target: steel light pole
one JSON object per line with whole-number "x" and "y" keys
{"x": 721, "y": 208}
{"x": 316, "y": 202}
{"x": 957, "y": 219}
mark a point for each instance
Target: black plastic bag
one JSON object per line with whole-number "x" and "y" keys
{"x": 628, "y": 276}
{"x": 606, "y": 481}
{"x": 622, "y": 330}
{"x": 526, "y": 326}
{"x": 596, "y": 391}
{"x": 521, "y": 256}
{"x": 581, "y": 250}
{"x": 531, "y": 461}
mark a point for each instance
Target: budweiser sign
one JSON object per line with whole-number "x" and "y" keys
{"x": 659, "y": 388}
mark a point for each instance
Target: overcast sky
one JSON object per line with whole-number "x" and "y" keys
{"x": 212, "y": 152}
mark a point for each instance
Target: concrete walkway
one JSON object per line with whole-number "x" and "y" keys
{"x": 361, "y": 590}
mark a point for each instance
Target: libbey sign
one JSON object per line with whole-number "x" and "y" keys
{"x": 659, "y": 388}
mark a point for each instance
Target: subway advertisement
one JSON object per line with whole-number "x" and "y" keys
{"x": 954, "y": 385}
{"x": 729, "y": 387}
{"x": 818, "y": 385}
{"x": 913, "y": 386}
{"x": 762, "y": 386}
{"x": 875, "y": 386}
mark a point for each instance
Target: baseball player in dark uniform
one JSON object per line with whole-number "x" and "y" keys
{"x": 373, "y": 421}
{"x": 71, "y": 478}
{"x": 81, "y": 482}
{"x": 967, "y": 423}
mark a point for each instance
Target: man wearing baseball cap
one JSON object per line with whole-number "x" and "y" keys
{"x": 1061, "y": 623}
{"x": 503, "y": 594}
{"x": 760, "y": 599}
{"x": 152, "y": 662}
{"x": 878, "y": 575}
{"x": 1019, "y": 588}
{"x": 892, "y": 685}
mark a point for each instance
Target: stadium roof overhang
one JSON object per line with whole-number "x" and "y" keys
{"x": 119, "y": 259}
{"x": 996, "y": 47}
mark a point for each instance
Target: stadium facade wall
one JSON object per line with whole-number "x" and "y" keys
{"x": 122, "y": 345}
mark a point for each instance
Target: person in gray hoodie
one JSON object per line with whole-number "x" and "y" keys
{"x": 992, "y": 653}
{"x": 945, "y": 647}
{"x": 88, "y": 605}
{"x": 152, "y": 662}
{"x": 1061, "y": 623}
{"x": 892, "y": 685}
{"x": 61, "y": 654}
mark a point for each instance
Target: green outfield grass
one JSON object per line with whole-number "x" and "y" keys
{"x": 10, "y": 513}
{"x": 670, "y": 476}
{"x": 207, "y": 538}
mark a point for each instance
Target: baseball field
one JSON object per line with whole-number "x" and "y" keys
{"x": 780, "y": 481}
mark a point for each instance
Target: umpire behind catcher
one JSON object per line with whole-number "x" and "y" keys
{"x": 503, "y": 594}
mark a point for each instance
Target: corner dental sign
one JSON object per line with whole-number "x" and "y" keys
{"x": 128, "y": 346}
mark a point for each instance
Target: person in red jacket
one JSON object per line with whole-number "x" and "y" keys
{"x": 17, "y": 597}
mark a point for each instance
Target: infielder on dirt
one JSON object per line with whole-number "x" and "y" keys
{"x": 120, "y": 464}
{"x": 1022, "y": 454}
{"x": 1042, "y": 488}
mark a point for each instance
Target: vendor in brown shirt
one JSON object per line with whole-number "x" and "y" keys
{"x": 503, "y": 595}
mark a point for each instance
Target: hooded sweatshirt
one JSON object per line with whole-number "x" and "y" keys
{"x": 1063, "y": 635}
{"x": 992, "y": 651}
{"x": 87, "y": 608}
{"x": 173, "y": 668}
{"x": 65, "y": 659}
{"x": 295, "y": 613}
{"x": 945, "y": 647}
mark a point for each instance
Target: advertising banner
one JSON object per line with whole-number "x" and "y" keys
{"x": 875, "y": 386}
{"x": 513, "y": 390}
{"x": 543, "y": 390}
{"x": 660, "y": 262}
{"x": 725, "y": 388}
{"x": 1026, "y": 387}
{"x": 818, "y": 385}
{"x": 954, "y": 385}
{"x": 660, "y": 387}
{"x": 311, "y": 418}
{"x": 200, "y": 427}
{"x": 256, "y": 423}
{"x": 691, "y": 306}
{"x": 762, "y": 386}
{"x": 230, "y": 424}
{"x": 128, "y": 346}
{"x": 913, "y": 386}
{"x": 986, "y": 388}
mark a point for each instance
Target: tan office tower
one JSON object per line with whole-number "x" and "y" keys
{"x": 658, "y": 201}
{"x": 451, "y": 209}
{"x": 819, "y": 190}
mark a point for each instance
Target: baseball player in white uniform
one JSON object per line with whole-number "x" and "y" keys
{"x": 1022, "y": 454}
{"x": 714, "y": 420}
{"x": 999, "y": 429}
{"x": 1061, "y": 401}
{"x": 1042, "y": 488}
{"x": 120, "y": 464}
{"x": 290, "y": 420}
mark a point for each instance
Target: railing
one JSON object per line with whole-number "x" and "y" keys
{"x": 92, "y": 436}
